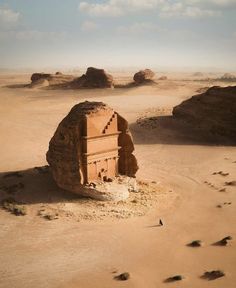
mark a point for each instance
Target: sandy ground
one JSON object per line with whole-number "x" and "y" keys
{"x": 75, "y": 251}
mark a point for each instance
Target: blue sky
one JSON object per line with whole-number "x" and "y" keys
{"x": 116, "y": 33}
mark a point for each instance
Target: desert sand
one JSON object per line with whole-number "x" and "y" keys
{"x": 90, "y": 242}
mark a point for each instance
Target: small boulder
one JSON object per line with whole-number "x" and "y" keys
{"x": 123, "y": 276}
{"x": 212, "y": 275}
{"x": 174, "y": 278}
{"x": 195, "y": 243}
{"x": 143, "y": 76}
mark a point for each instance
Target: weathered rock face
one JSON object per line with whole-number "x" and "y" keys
{"x": 37, "y": 76}
{"x": 53, "y": 79}
{"x": 213, "y": 111}
{"x": 40, "y": 83}
{"x": 91, "y": 146}
{"x": 143, "y": 76}
{"x": 95, "y": 78}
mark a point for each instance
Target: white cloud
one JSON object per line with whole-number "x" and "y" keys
{"x": 88, "y": 26}
{"x": 214, "y": 3}
{"x": 180, "y": 10}
{"x": 165, "y": 8}
{"x": 8, "y": 17}
{"x": 31, "y": 35}
{"x": 118, "y": 7}
{"x": 138, "y": 28}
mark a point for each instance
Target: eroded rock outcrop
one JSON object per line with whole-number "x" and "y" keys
{"x": 228, "y": 77}
{"x": 94, "y": 78}
{"x": 144, "y": 76}
{"x": 90, "y": 151}
{"x": 213, "y": 111}
{"x": 37, "y": 79}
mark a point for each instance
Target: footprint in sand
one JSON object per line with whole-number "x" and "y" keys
{"x": 230, "y": 183}
{"x": 221, "y": 173}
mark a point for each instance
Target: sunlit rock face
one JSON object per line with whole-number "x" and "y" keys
{"x": 90, "y": 151}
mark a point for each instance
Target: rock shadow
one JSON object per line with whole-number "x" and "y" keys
{"x": 33, "y": 186}
{"x": 172, "y": 131}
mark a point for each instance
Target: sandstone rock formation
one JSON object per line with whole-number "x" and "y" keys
{"x": 37, "y": 76}
{"x": 53, "y": 79}
{"x": 228, "y": 77}
{"x": 94, "y": 78}
{"x": 39, "y": 83}
{"x": 213, "y": 111}
{"x": 143, "y": 76}
{"x": 91, "y": 147}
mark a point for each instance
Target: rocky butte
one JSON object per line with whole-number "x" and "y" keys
{"x": 213, "y": 111}
{"x": 91, "y": 153}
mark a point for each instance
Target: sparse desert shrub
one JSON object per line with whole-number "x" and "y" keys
{"x": 13, "y": 207}
{"x": 47, "y": 215}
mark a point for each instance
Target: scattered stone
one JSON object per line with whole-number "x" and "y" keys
{"x": 222, "y": 190}
{"x": 134, "y": 201}
{"x": 174, "y": 278}
{"x": 195, "y": 243}
{"x": 50, "y": 217}
{"x": 13, "y": 207}
{"x": 224, "y": 241}
{"x": 143, "y": 76}
{"x": 219, "y": 206}
{"x": 220, "y": 173}
{"x": 212, "y": 275}
{"x": 123, "y": 276}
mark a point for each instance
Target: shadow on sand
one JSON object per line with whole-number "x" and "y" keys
{"x": 16, "y": 86}
{"x": 172, "y": 131}
{"x": 33, "y": 186}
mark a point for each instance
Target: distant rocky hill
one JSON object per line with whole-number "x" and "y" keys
{"x": 213, "y": 111}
